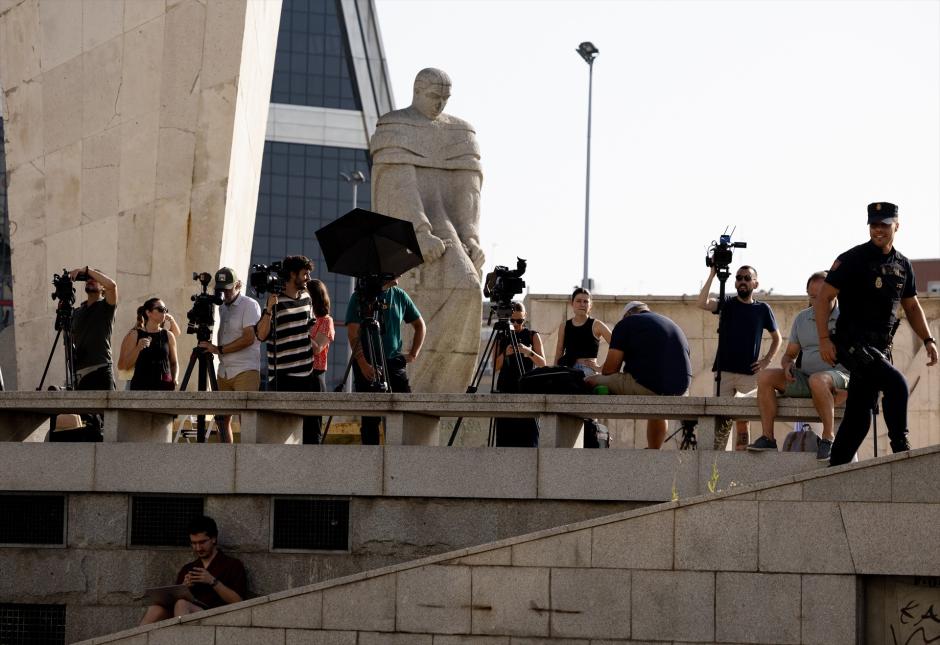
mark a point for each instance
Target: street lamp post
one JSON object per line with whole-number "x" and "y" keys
{"x": 588, "y": 52}
{"x": 353, "y": 178}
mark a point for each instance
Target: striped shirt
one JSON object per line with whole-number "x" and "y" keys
{"x": 292, "y": 346}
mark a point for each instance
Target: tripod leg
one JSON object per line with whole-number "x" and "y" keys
{"x": 201, "y": 419}
{"x": 475, "y": 383}
{"x": 49, "y": 360}
{"x": 189, "y": 370}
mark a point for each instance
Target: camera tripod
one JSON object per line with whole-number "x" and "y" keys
{"x": 502, "y": 335}
{"x": 205, "y": 376}
{"x": 63, "y": 326}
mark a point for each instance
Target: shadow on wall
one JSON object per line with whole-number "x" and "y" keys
{"x": 8, "y": 358}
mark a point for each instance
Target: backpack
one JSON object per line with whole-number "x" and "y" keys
{"x": 553, "y": 380}
{"x": 803, "y": 439}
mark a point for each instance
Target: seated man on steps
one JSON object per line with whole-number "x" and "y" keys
{"x": 214, "y": 579}
{"x": 815, "y": 378}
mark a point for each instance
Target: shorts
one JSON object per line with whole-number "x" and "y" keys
{"x": 799, "y": 389}
{"x": 733, "y": 384}
{"x": 622, "y": 383}
{"x": 247, "y": 381}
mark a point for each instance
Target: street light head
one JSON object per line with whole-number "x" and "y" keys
{"x": 588, "y": 51}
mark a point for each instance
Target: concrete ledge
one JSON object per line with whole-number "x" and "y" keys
{"x": 413, "y": 419}
{"x": 394, "y": 471}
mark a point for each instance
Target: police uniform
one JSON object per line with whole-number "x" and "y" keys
{"x": 871, "y": 285}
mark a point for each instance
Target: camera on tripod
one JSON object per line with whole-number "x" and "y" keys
{"x": 201, "y": 318}
{"x": 502, "y": 284}
{"x": 720, "y": 253}
{"x": 267, "y": 277}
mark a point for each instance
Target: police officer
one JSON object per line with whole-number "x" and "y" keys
{"x": 870, "y": 280}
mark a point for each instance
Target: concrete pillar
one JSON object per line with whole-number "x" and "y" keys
{"x": 135, "y": 133}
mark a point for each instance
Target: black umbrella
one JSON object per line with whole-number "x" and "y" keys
{"x": 362, "y": 243}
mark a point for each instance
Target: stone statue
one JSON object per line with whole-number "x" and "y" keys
{"x": 426, "y": 169}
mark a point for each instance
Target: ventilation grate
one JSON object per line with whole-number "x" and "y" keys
{"x": 32, "y": 624}
{"x": 162, "y": 521}
{"x": 311, "y": 524}
{"x": 32, "y": 519}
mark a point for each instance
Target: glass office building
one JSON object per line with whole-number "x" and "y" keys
{"x": 330, "y": 85}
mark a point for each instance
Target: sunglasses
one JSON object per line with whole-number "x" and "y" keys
{"x": 742, "y": 278}
{"x": 517, "y": 321}
{"x": 162, "y": 310}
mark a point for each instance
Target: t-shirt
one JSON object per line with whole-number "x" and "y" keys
{"x": 323, "y": 325}
{"x": 292, "y": 345}
{"x": 580, "y": 342}
{"x": 871, "y": 284}
{"x": 742, "y": 325}
{"x": 655, "y": 352}
{"x": 91, "y": 333}
{"x": 803, "y": 333}
{"x": 233, "y": 318}
{"x": 395, "y": 306}
{"x": 229, "y": 571}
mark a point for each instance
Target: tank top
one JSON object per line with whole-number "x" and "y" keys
{"x": 580, "y": 342}
{"x": 152, "y": 369}
{"x": 508, "y": 378}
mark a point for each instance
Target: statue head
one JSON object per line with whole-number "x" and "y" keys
{"x": 431, "y": 91}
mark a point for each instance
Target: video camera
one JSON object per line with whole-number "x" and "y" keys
{"x": 720, "y": 253}
{"x": 264, "y": 277}
{"x": 502, "y": 284}
{"x": 201, "y": 318}
{"x": 65, "y": 294}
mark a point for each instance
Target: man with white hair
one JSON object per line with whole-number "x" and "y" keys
{"x": 648, "y": 354}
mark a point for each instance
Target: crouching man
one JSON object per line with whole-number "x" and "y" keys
{"x": 214, "y": 579}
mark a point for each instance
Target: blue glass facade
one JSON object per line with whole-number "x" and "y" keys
{"x": 301, "y": 188}
{"x": 302, "y": 191}
{"x": 311, "y": 66}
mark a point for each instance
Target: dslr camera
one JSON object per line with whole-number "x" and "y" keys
{"x": 267, "y": 277}
{"x": 720, "y": 253}
{"x": 502, "y": 284}
{"x": 201, "y": 318}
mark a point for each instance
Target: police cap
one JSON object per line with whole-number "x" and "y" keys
{"x": 882, "y": 213}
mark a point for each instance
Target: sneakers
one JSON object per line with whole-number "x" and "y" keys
{"x": 763, "y": 444}
{"x": 823, "y": 449}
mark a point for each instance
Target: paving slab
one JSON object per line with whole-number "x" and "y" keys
{"x": 165, "y": 468}
{"x": 571, "y": 549}
{"x": 304, "y": 611}
{"x": 673, "y": 605}
{"x": 494, "y": 473}
{"x": 434, "y": 600}
{"x": 644, "y": 542}
{"x": 803, "y": 537}
{"x": 830, "y": 609}
{"x": 717, "y": 536}
{"x": 510, "y": 601}
{"x": 872, "y": 484}
{"x": 367, "y": 605}
{"x": 590, "y": 603}
{"x": 305, "y": 470}
{"x": 893, "y": 539}
{"x": 47, "y": 466}
{"x": 757, "y": 608}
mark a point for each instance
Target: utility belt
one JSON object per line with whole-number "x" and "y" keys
{"x": 859, "y": 350}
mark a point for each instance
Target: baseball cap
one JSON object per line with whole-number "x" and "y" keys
{"x": 225, "y": 278}
{"x": 882, "y": 213}
{"x": 633, "y": 304}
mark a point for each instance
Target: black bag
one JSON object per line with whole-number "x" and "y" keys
{"x": 553, "y": 380}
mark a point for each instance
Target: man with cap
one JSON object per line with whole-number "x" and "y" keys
{"x": 649, "y": 355}
{"x": 238, "y": 349}
{"x": 741, "y": 325}
{"x": 870, "y": 281}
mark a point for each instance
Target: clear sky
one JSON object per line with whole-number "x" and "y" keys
{"x": 783, "y": 118}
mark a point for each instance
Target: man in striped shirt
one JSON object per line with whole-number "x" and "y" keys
{"x": 290, "y": 353}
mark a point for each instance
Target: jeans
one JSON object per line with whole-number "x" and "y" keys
{"x": 397, "y": 381}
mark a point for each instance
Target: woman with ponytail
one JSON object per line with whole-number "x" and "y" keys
{"x": 150, "y": 350}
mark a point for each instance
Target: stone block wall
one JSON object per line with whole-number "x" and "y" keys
{"x": 135, "y": 133}
{"x": 785, "y": 562}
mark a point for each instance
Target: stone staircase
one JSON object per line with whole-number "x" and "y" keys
{"x": 802, "y": 559}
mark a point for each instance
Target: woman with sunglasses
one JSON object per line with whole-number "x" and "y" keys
{"x": 150, "y": 349}
{"x": 520, "y": 433}
{"x": 579, "y": 336}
